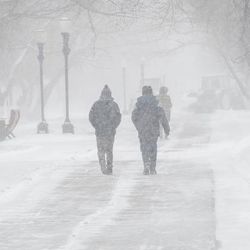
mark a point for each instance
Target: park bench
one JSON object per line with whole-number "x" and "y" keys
{"x": 6, "y": 130}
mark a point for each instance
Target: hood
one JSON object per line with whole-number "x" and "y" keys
{"x": 146, "y": 101}
{"x": 106, "y": 94}
{"x": 163, "y": 91}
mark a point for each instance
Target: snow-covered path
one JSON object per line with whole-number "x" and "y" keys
{"x": 72, "y": 206}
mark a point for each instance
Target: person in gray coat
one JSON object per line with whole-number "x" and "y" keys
{"x": 166, "y": 103}
{"x": 105, "y": 117}
{"x": 147, "y": 117}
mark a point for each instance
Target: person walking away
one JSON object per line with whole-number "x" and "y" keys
{"x": 147, "y": 117}
{"x": 166, "y": 103}
{"x": 105, "y": 117}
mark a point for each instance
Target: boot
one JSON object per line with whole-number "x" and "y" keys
{"x": 146, "y": 170}
{"x": 153, "y": 171}
{"x": 152, "y": 167}
{"x": 109, "y": 170}
{"x": 103, "y": 167}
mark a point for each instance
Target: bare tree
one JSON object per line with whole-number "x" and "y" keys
{"x": 226, "y": 28}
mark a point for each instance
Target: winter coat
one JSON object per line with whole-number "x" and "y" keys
{"x": 165, "y": 102}
{"x": 147, "y": 117}
{"x": 105, "y": 117}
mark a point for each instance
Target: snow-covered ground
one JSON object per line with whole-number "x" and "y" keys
{"x": 29, "y": 155}
{"x": 230, "y": 159}
{"x": 205, "y": 161}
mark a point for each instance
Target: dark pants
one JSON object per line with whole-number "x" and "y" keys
{"x": 168, "y": 115}
{"x": 149, "y": 152}
{"x": 105, "y": 151}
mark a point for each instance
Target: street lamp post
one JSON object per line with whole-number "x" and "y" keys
{"x": 43, "y": 125}
{"x": 124, "y": 83}
{"x": 65, "y": 26}
{"x": 142, "y": 71}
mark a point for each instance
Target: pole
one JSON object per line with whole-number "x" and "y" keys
{"x": 42, "y": 126}
{"x": 124, "y": 71}
{"x": 2, "y": 129}
{"x": 66, "y": 87}
{"x": 67, "y": 126}
{"x": 142, "y": 74}
{"x": 41, "y": 58}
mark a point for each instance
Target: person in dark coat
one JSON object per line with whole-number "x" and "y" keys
{"x": 147, "y": 117}
{"x": 105, "y": 117}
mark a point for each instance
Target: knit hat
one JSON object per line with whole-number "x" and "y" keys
{"x": 106, "y": 93}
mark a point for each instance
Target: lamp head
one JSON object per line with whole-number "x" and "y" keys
{"x": 65, "y": 25}
{"x": 40, "y": 36}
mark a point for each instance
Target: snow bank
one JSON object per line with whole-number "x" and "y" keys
{"x": 29, "y": 157}
{"x": 231, "y": 162}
